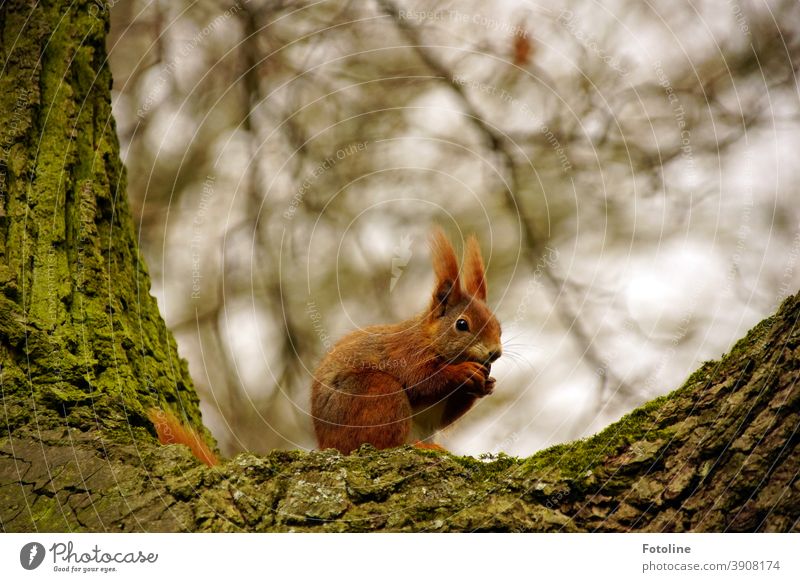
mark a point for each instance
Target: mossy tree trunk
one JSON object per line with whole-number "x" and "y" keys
{"x": 82, "y": 343}
{"x": 85, "y": 353}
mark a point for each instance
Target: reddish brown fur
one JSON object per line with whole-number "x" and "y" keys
{"x": 378, "y": 380}
{"x": 474, "y": 278}
{"x": 429, "y": 446}
{"x": 445, "y": 264}
{"x": 172, "y": 431}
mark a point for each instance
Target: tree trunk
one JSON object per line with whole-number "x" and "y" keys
{"x": 83, "y": 343}
{"x": 84, "y": 354}
{"x": 83, "y": 348}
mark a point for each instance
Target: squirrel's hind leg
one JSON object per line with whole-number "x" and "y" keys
{"x": 362, "y": 408}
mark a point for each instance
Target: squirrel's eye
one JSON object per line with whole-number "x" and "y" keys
{"x": 462, "y": 325}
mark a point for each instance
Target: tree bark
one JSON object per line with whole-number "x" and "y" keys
{"x": 83, "y": 343}
{"x": 84, "y": 354}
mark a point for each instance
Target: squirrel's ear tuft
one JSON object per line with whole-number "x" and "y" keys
{"x": 447, "y": 289}
{"x": 474, "y": 272}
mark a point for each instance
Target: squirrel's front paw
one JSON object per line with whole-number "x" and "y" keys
{"x": 474, "y": 376}
{"x": 488, "y": 387}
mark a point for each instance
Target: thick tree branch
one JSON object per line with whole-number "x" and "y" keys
{"x": 719, "y": 454}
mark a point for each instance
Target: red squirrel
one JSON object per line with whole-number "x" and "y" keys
{"x": 389, "y": 385}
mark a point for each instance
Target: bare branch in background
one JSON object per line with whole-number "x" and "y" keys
{"x": 635, "y": 197}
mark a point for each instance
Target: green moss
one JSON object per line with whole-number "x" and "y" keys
{"x": 573, "y": 461}
{"x": 650, "y": 423}
{"x": 754, "y": 337}
{"x": 702, "y": 375}
{"x": 89, "y": 338}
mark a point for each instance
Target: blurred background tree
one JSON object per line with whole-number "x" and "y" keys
{"x": 628, "y": 167}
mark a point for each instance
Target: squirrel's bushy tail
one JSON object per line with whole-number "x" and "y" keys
{"x": 172, "y": 431}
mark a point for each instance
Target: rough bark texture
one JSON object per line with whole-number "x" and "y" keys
{"x": 718, "y": 454}
{"x": 82, "y": 343}
{"x": 84, "y": 353}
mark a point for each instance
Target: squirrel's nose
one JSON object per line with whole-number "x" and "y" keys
{"x": 493, "y": 355}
